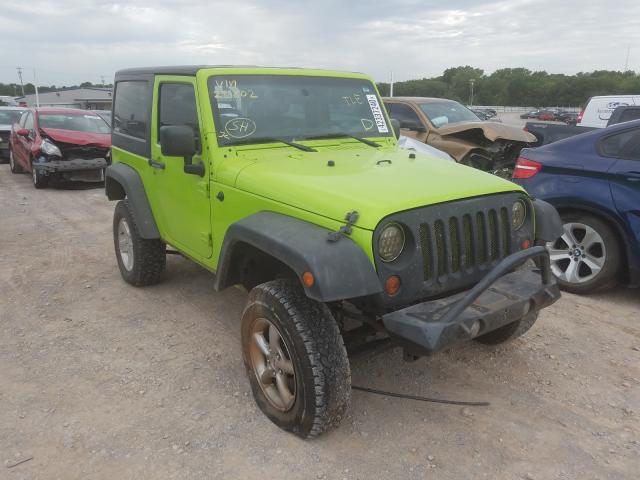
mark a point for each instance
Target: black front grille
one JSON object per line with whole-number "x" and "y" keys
{"x": 450, "y": 246}
{"x": 450, "y": 250}
{"x": 83, "y": 152}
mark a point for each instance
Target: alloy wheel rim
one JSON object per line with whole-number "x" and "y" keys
{"x": 579, "y": 255}
{"x": 272, "y": 365}
{"x": 125, "y": 244}
{"x": 34, "y": 174}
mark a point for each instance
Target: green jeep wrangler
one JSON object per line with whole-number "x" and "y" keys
{"x": 290, "y": 183}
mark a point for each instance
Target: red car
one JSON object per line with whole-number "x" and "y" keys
{"x": 65, "y": 143}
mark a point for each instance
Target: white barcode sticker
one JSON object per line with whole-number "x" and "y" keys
{"x": 378, "y": 117}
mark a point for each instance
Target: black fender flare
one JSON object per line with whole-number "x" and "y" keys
{"x": 121, "y": 180}
{"x": 341, "y": 269}
{"x": 548, "y": 221}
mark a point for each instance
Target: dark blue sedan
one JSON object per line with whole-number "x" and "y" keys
{"x": 593, "y": 179}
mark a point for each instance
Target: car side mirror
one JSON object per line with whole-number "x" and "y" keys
{"x": 23, "y": 132}
{"x": 180, "y": 141}
{"x": 395, "y": 124}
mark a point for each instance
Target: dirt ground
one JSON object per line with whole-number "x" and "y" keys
{"x": 100, "y": 380}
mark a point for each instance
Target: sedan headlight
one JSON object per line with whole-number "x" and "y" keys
{"x": 48, "y": 148}
{"x": 518, "y": 215}
{"x": 391, "y": 242}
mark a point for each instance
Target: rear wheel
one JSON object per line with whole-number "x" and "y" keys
{"x": 586, "y": 257}
{"x": 295, "y": 359}
{"x": 141, "y": 260}
{"x": 13, "y": 166}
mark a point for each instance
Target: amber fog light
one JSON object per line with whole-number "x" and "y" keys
{"x": 392, "y": 285}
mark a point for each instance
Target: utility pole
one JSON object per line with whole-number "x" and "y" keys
{"x": 35, "y": 84}
{"x": 20, "y": 77}
{"x": 471, "y": 82}
{"x": 626, "y": 63}
{"x": 102, "y": 78}
{"x": 391, "y": 85}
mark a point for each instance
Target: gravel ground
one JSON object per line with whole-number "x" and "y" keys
{"x": 100, "y": 380}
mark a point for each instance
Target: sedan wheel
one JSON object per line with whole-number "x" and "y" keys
{"x": 585, "y": 257}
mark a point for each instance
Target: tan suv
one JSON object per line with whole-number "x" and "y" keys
{"x": 453, "y": 128}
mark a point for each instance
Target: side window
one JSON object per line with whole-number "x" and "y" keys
{"x": 28, "y": 123}
{"x": 23, "y": 119}
{"x": 630, "y": 114}
{"x": 130, "y": 111}
{"x": 177, "y": 106}
{"x": 613, "y": 145}
{"x": 404, "y": 114}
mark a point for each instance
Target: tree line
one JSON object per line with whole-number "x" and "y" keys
{"x": 518, "y": 86}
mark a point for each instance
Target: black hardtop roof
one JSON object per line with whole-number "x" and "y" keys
{"x": 189, "y": 69}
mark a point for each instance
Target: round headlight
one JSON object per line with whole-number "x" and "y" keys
{"x": 518, "y": 215}
{"x": 391, "y": 242}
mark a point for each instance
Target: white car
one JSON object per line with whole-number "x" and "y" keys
{"x": 409, "y": 143}
{"x": 8, "y": 116}
{"x": 598, "y": 110}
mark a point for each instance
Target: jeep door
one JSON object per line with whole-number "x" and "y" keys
{"x": 181, "y": 200}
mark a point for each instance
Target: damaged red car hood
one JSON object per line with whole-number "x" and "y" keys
{"x": 491, "y": 130}
{"x": 78, "y": 138}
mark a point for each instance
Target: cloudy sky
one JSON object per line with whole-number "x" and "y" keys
{"x": 70, "y": 41}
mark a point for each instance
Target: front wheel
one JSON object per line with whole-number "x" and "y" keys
{"x": 141, "y": 260}
{"x": 586, "y": 257}
{"x": 295, "y": 359}
{"x": 39, "y": 179}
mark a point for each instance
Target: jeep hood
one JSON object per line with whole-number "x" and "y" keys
{"x": 491, "y": 130}
{"x": 374, "y": 182}
{"x": 78, "y": 138}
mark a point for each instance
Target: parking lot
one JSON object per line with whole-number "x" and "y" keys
{"x": 102, "y": 380}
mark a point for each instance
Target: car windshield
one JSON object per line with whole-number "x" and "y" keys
{"x": 444, "y": 113}
{"x": 8, "y": 117}
{"x": 259, "y": 108}
{"x": 79, "y": 123}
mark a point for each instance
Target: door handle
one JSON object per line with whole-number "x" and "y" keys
{"x": 154, "y": 164}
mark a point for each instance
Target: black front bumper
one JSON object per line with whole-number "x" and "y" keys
{"x": 501, "y": 297}
{"x": 75, "y": 165}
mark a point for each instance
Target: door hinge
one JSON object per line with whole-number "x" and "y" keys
{"x": 210, "y": 239}
{"x": 207, "y": 238}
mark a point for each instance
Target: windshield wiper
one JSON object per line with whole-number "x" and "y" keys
{"x": 344, "y": 135}
{"x": 299, "y": 146}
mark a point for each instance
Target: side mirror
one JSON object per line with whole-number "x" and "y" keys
{"x": 177, "y": 141}
{"x": 180, "y": 141}
{"x": 395, "y": 124}
{"x": 23, "y": 132}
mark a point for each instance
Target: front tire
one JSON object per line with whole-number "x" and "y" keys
{"x": 510, "y": 331}
{"x": 586, "y": 258}
{"x": 39, "y": 180}
{"x": 141, "y": 261}
{"x": 295, "y": 359}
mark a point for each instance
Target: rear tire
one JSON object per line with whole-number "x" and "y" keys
{"x": 295, "y": 359}
{"x": 141, "y": 261}
{"x": 13, "y": 165}
{"x": 509, "y": 331}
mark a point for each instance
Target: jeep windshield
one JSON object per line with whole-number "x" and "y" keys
{"x": 260, "y": 108}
